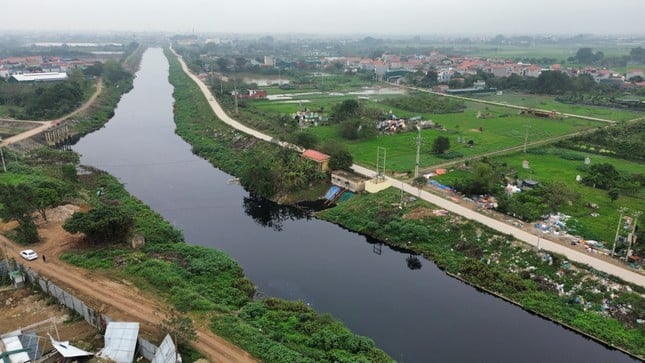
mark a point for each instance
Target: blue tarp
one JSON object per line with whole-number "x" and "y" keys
{"x": 331, "y": 193}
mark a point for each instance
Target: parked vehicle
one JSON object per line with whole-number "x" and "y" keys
{"x": 29, "y": 255}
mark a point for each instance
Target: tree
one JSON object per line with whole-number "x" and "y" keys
{"x": 113, "y": 72}
{"x": 555, "y": 193}
{"x": 105, "y": 223}
{"x": 48, "y": 194}
{"x": 18, "y": 202}
{"x": 339, "y": 157}
{"x": 440, "y": 145}
{"x": 306, "y": 140}
{"x": 222, "y": 64}
{"x": 346, "y": 110}
{"x": 95, "y": 70}
{"x": 259, "y": 175}
{"x": 482, "y": 180}
{"x": 553, "y": 82}
{"x": 602, "y": 176}
{"x": 613, "y": 194}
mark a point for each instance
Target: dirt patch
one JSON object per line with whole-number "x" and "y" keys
{"x": 422, "y": 212}
{"x": 24, "y": 307}
{"x": 419, "y": 213}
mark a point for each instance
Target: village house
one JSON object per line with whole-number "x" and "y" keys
{"x": 316, "y": 156}
{"x": 250, "y": 94}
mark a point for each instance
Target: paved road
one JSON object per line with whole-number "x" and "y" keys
{"x": 47, "y": 124}
{"x": 573, "y": 255}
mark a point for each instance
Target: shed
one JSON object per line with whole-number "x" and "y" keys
{"x": 17, "y": 279}
{"x": 318, "y": 157}
{"x": 350, "y": 181}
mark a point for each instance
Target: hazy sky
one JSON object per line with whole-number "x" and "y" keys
{"x": 416, "y": 17}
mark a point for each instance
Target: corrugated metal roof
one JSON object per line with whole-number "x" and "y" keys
{"x": 11, "y": 342}
{"x": 120, "y": 342}
{"x": 167, "y": 352}
{"x": 67, "y": 350}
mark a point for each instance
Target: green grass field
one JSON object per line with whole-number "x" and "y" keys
{"x": 552, "y": 167}
{"x": 548, "y": 103}
{"x": 498, "y": 133}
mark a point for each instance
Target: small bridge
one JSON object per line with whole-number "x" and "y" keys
{"x": 57, "y": 135}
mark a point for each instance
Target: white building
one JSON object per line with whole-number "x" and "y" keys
{"x": 40, "y": 77}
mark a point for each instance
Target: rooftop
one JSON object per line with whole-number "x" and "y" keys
{"x": 315, "y": 155}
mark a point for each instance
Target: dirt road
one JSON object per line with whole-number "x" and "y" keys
{"x": 115, "y": 298}
{"x": 47, "y": 124}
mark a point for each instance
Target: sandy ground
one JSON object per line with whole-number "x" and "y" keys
{"x": 116, "y": 298}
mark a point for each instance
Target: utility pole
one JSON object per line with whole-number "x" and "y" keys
{"x": 4, "y": 166}
{"x": 620, "y": 219}
{"x": 235, "y": 91}
{"x": 416, "y": 166}
{"x": 632, "y": 235}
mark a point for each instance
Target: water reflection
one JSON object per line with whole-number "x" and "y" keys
{"x": 413, "y": 262}
{"x": 272, "y": 215}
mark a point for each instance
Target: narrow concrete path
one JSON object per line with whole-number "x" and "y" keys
{"x": 622, "y": 272}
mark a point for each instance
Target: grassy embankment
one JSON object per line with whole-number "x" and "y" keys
{"x": 487, "y": 259}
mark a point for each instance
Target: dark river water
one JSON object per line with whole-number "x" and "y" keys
{"x": 419, "y": 315}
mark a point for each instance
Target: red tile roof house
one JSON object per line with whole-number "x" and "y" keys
{"x": 318, "y": 157}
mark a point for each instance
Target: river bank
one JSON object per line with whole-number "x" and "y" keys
{"x": 537, "y": 296}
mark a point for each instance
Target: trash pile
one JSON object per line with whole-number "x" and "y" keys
{"x": 555, "y": 224}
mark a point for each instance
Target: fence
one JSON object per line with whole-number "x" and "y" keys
{"x": 98, "y": 320}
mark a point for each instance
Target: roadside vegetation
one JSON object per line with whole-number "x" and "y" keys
{"x": 44, "y": 101}
{"x": 541, "y": 282}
